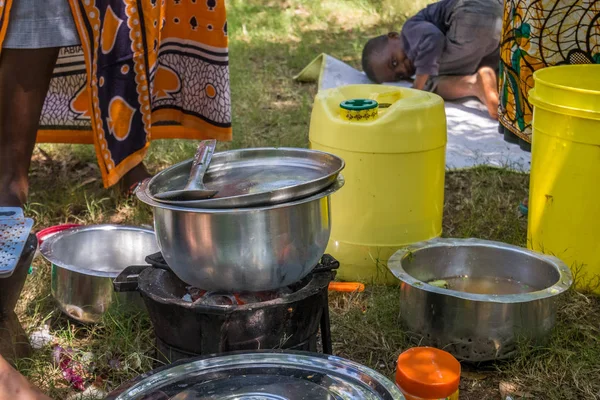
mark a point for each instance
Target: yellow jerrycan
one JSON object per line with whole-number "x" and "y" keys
{"x": 393, "y": 141}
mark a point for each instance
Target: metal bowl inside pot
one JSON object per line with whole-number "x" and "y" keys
{"x": 243, "y": 249}
{"x": 85, "y": 260}
{"x": 477, "y": 298}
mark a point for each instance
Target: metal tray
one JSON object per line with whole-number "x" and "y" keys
{"x": 271, "y": 374}
{"x": 14, "y": 231}
{"x": 254, "y": 177}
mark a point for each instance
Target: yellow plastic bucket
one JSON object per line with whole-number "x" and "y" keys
{"x": 395, "y": 165}
{"x": 564, "y": 196}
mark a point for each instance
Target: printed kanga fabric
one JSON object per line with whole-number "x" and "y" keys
{"x": 146, "y": 69}
{"x": 538, "y": 34}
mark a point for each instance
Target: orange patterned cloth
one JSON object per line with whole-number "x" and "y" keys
{"x": 146, "y": 69}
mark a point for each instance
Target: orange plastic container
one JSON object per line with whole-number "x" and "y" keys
{"x": 427, "y": 373}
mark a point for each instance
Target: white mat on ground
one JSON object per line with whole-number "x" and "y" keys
{"x": 473, "y": 137}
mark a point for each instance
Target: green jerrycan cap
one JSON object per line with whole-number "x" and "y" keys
{"x": 359, "y": 110}
{"x": 359, "y": 104}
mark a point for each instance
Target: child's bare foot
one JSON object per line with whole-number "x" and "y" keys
{"x": 487, "y": 89}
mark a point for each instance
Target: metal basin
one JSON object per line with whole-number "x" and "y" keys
{"x": 261, "y": 375}
{"x": 85, "y": 260}
{"x": 243, "y": 249}
{"x": 502, "y": 294}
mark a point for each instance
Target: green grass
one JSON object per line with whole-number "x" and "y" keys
{"x": 271, "y": 41}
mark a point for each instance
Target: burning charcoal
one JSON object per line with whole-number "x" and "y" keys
{"x": 187, "y": 297}
{"x": 195, "y": 293}
{"x": 259, "y": 297}
{"x": 248, "y": 298}
{"x": 268, "y": 296}
{"x": 218, "y": 299}
{"x": 286, "y": 291}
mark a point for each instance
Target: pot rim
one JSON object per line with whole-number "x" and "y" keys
{"x": 565, "y": 279}
{"x": 144, "y": 197}
{"x": 46, "y": 247}
{"x": 255, "y": 150}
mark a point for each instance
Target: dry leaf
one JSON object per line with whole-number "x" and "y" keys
{"x": 511, "y": 389}
{"x": 87, "y": 181}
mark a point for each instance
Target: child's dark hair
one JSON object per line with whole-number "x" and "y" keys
{"x": 372, "y": 46}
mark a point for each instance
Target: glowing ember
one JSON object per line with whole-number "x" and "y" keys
{"x": 199, "y": 296}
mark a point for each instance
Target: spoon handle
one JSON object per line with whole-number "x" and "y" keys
{"x": 202, "y": 158}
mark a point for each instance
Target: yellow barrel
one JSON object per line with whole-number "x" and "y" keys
{"x": 564, "y": 195}
{"x": 395, "y": 164}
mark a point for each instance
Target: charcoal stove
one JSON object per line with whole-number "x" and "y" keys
{"x": 183, "y": 329}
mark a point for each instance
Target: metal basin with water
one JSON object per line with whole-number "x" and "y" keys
{"x": 487, "y": 295}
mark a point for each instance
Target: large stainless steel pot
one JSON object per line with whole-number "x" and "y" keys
{"x": 85, "y": 260}
{"x": 243, "y": 249}
{"x": 478, "y": 327}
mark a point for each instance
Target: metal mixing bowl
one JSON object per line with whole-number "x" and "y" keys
{"x": 85, "y": 260}
{"x": 477, "y": 327}
{"x": 243, "y": 249}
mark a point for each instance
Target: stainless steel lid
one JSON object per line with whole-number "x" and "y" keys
{"x": 262, "y": 376}
{"x": 254, "y": 177}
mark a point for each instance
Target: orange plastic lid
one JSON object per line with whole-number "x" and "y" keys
{"x": 428, "y": 373}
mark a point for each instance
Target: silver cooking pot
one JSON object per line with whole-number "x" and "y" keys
{"x": 86, "y": 259}
{"x": 243, "y": 249}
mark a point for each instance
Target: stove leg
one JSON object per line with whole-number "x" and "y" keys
{"x": 326, "y": 327}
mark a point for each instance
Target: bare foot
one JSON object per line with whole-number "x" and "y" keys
{"x": 135, "y": 175}
{"x": 13, "y": 192}
{"x": 487, "y": 90}
{"x": 10, "y": 200}
{"x": 14, "y": 386}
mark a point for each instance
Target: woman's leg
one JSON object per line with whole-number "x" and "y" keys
{"x": 25, "y": 75}
{"x": 483, "y": 85}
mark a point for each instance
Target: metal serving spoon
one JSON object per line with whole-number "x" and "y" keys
{"x": 194, "y": 189}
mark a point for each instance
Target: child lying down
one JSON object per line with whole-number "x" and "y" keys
{"x": 452, "y": 47}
